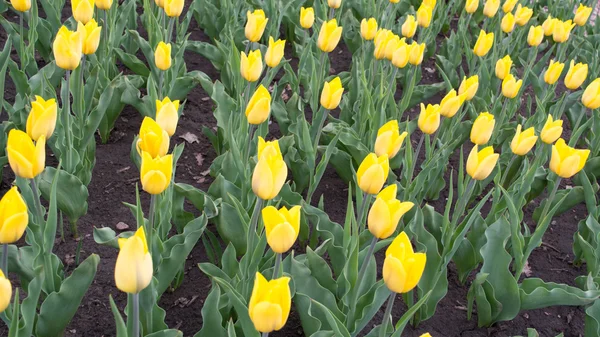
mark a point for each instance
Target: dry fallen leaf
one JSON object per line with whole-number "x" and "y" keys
{"x": 527, "y": 269}
{"x": 122, "y": 226}
{"x": 199, "y": 158}
{"x": 190, "y": 137}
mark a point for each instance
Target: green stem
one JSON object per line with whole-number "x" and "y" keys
{"x": 36, "y": 201}
{"x": 22, "y": 42}
{"x": 387, "y": 315}
{"x": 407, "y": 95}
{"x": 359, "y": 279}
{"x": 254, "y": 223}
{"x": 265, "y": 334}
{"x": 411, "y": 171}
{"x": 505, "y": 175}
{"x": 66, "y": 124}
{"x": 462, "y": 203}
{"x": 82, "y": 118}
{"x": 151, "y": 223}
{"x": 4, "y": 265}
{"x": 277, "y": 266}
{"x": 366, "y": 200}
{"x": 550, "y": 199}
{"x": 170, "y": 30}
{"x": 578, "y": 122}
{"x": 249, "y": 141}
{"x": 136, "y": 315}
{"x": 161, "y": 78}
{"x": 320, "y": 129}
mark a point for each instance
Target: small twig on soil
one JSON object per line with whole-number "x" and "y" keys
{"x": 550, "y": 246}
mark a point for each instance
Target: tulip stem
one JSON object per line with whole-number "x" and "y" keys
{"x": 249, "y": 142}
{"x": 387, "y": 315}
{"x": 170, "y": 30}
{"x": 510, "y": 164}
{"x": 265, "y": 334}
{"x": 253, "y": 223}
{"x": 413, "y": 165}
{"x": 578, "y": 122}
{"x": 320, "y": 130}
{"x": 66, "y": 115}
{"x": 550, "y": 199}
{"x": 36, "y": 201}
{"x": 278, "y": 258}
{"x": 462, "y": 203}
{"x": 136, "y": 315}
{"x": 161, "y": 78}
{"x": 407, "y": 95}
{"x": 22, "y": 42}
{"x": 366, "y": 200}
{"x": 151, "y": 222}
{"x": 4, "y": 266}
{"x": 360, "y": 276}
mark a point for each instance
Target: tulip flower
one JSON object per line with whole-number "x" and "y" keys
{"x": 259, "y": 106}
{"x": 582, "y": 15}
{"x": 392, "y": 44}
{"x": 21, "y": 6}
{"x": 133, "y": 270}
{"x": 471, "y": 6}
{"x": 562, "y": 31}
{"x": 591, "y": 95}
{"x": 535, "y": 36}
{"x": 429, "y": 118}
{"x": 484, "y": 43}
{"x": 576, "y": 75}
{"x": 552, "y": 130}
{"x": 427, "y": 334}
{"x": 274, "y": 52}
{"x": 482, "y": 128}
{"x": 430, "y": 3}
{"x": 567, "y": 161}
{"x": 307, "y": 17}
{"x": 329, "y": 36}
{"x": 160, "y": 3}
{"x": 549, "y": 25}
{"x": 491, "y": 8}
{"x": 155, "y": 173}
{"x": 42, "y": 118}
{"x": 368, "y": 29}
{"x": 282, "y": 227}
{"x": 394, "y": 1}
{"x": 255, "y": 26}
{"x": 510, "y": 86}
{"x": 173, "y": 8}
{"x": 251, "y": 66}
{"x": 424, "y": 14}
{"x": 469, "y": 86}
{"x": 25, "y": 159}
{"x": 386, "y": 212}
{"x": 401, "y": 55}
{"x": 372, "y": 173}
{"x": 104, "y": 4}
{"x": 269, "y": 174}
{"x": 67, "y": 48}
{"x": 162, "y": 56}
{"x": 382, "y": 37}
{"x": 481, "y": 163}
{"x": 509, "y": 5}
{"x": 508, "y": 23}
{"x": 415, "y": 53}
{"x": 167, "y": 115}
{"x": 409, "y": 27}
{"x": 522, "y": 15}
{"x": 553, "y": 72}
{"x": 503, "y": 66}
{"x": 270, "y": 148}
{"x": 270, "y": 303}
{"x": 152, "y": 139}
{"x": 5, "y": 292}
{"x": 335, "y": 4}
{"x": 402, "y": 267}
{"x": 83, "y": 10}
{"x": 524, "y": 141}
{"x": 451, "y": 103}
{"x": 13, "y": 217}
{"x": 332, "y": 94}
{"x": 91, "y": 38}
{"x": 389, "y": 139}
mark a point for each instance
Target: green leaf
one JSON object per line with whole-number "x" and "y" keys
{"x": 120, "y": 324}
{"x": 71, "y": 193}
{"x": 211, "y": 317}
{"x": 334, "y": 322}
{"x": 535, "y": 294}
{"x": 240, "y": 306}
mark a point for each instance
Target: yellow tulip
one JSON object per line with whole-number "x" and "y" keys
{"x": 21, "y": 6}
{"x": 389, "y": 139}
{"x": 173, "y": 8}
{"x": 274, "y": 52}
{"x": 155, "y": 173}
{"x": 259, "y": 106}
{"x": 424, "y": 14}
{"x": 270, "y": 172}
{"x": 524, "y": 141}
{"x": 372, "y": 173}
{"x": 386, "y": 212}
{"x": 553, "y": 72}
{"x": 104, "y": 4}
{"x": 582, "y": 15}
{"x": 522, "y": 15}
{"x": 270, "y": 148}
{"x": 576, "y": 75}
{"x": 42, "y": 118}
{"x": 510, "y": 86}
{"x": 251, "y": 66}
{"x": 160, "y": 3}
{"x": 402, "y": 267}
{"x": 83, "y": 10}
{"x": 5, "y": 292}
{"x": 482, "y": 128}
{"x": 535, "y": 36}
{"x": 567, "y": 161}
{"x": 503, "y": 66}
{"x": 332, "y": 94}
{"x": 152, "y": 139}
{"x": 394, "y": 1}
{"x": 430, "y": 3}
{"x": 469, "y": 87}
{"x": 368, "y": 29}
{"x": 427, "y": 334}
{"x": 552, "y": 130}
{"x": 415, "y": 53}
{"x": 471, "y": 6}
{"x": 91, "y": 36}
{"x": 67, "y": 48}
{"x": 451, "y": 103}
{"x": 549, "y": 25}
{"x": 167, "y": 114}
{"x": 25, "y": 159}
{"x": 282, "y": 227}
{"x": 508, "y": 23}
{"x": 562, "y": 30}
{"x": 491, "y": 8}
{"x": 133, "y": 270}
{"x": 409, "y": 27}
{"x": 270, "y": 303}
{"x": 162, "y": 56}
{"x": 429, "y": 118}
{"x": 484, "y": 43}
{"x": 255, "y": 25}
{"x": 591, "y": 95}
{"x": 335, "y": 4}
{"x": 481, "y": 163}
{"x": 307, "y": 17}
{"x": 13, "y": 217}
{"x": 329, "y": 36}
{"x": 509, "y": 5}
{"x": 382, "y": 37}
{"x": 392, "y": 44}
{"x": 401, "y": 55}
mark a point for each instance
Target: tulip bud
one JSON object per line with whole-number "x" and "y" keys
{"x": 471, "y": 6}
{"x": 392, "y": 44}
{"x": 386, "y": 212}
{"x": 429, "y": 118}
{"x": 259, "y": 107}
{"x": 469, "y": 86}
{"x": 582, "y": 15}
{"x": 503, "y": 66}
{"x": 484, "y": 43}
{"x": 576, "y": 75}
{"x": 409, "y": 27}
{"x": 67, "y": 48}
{"x": 451, "y": 103}
{"x": 251, "y": 66}
{"x": 162, "y": 56}
{"x": 535, "y": 36}
{"x": 282, "y": 227}
{"x": 400, "y": 56}
{"x": 270, "y": 148}
{"x": 104, "y": 4}
{"x": 382, "y": 37}
{"x": 591, "y": 95}
{"x": 394, "y": 1}
{"x": 42, "y": 118}
{"x": 133, "y": 270}
{"x": 553, "y": 72}
{"x": 155, "y": 173}
{"x": 270, "y": 303}
{"x": 13, "y": 217}
{"x": 25, "y": 159}
{"x": 329, "y": 36}
{"x": 255, "y": 26}
{"x": 552, "y": 130}
{"x": 508, "y": 23}
{"x": 21, "y": 6}
{"x": 83, "y": 10}
{"x": 415, "y": 53}
{"x": 562, "y": 31}
{"x": 332, "y": 94}
{"x": 567, "y": 161}
{"x": 522, "y": 15}
{"x": 160, "y": 3}
{"x": 372, "y": 173}
{"x": 427, "y": 334}
{"x": 424, "y": 14}
{"x": 491, "y": 7}
{"x": 368, "y": 29}
{"x": 270, "y": 172}
{"x": 389, "y": 140}
{"x": 481, "y": 163}
{"x": 402, "y": 267}
{"x": 152, "y": 139}
{"x": 335, "y": 4}
{"x": 91, "y": 36}
{"x": 5, "y": 292}
{"x": 482, "y": 128}
{"x": 430, "y": 3}
{"x": 509, "y": 5}
{"x": 510, "y": 86}
{"x": 307, "y": 17}
{"x": 549, "y": 25}
{"x": 167, "y": 115}
{"x": 173, "y": 8}
{"x": 274, "y": 52}
{"x": 524, "y": 141}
